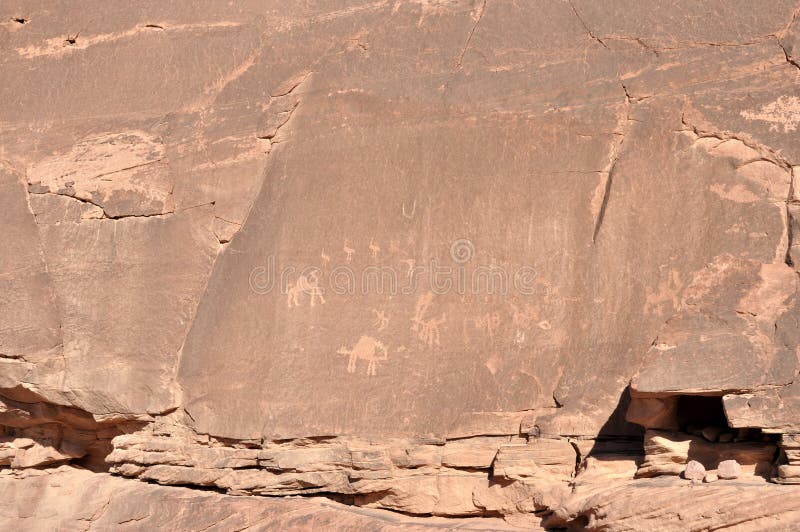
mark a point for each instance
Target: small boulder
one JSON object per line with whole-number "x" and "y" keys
{"x": 694, "y": 430}
{"x": 22, "y": 443}
{"x": 710, "y": 477}
{"x": 711, "y": 433}
{"x": 694, "y": 470}
{"x": 725, "y": 437}
{"x": 729, "y": 469}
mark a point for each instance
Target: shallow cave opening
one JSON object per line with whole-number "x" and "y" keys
{"x": 704, "y": 415}
{"x": 696, "y": 412}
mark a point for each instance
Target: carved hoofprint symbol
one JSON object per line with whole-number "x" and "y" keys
{"x": 367, "y": 348}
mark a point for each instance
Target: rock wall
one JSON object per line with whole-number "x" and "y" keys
{"x": 456, "y": 259}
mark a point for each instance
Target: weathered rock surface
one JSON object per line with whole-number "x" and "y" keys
{"x": 464, "y": 259}
{"x": 481, "y": 476}
{"x": 668, "y": 453}
{"x": 48, "y": 501}
{"x": 675, "y": 504}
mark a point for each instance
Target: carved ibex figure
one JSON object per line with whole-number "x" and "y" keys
{"x": 427, "y": 329}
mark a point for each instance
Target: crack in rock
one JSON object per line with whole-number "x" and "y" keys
{"x": 479, "y": 16}
{"x": 604, "y": 188}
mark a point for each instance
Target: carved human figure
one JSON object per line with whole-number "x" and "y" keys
{"x": 488, "y": 322}
{"x": 410, "y": 263}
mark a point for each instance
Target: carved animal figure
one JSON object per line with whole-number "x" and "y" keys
{"x": 427, "y": 329}
{"x": 381, "y": 320}
{"x": 367, "y": 348}
{"x": 348, "y": 251}
{"x": 374, "y": 249}
{"x": 306, "y": 284}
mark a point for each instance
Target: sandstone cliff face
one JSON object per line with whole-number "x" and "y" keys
{"x": 426, "y": 263}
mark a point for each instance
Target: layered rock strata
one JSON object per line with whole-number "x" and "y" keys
{"x": 225, "y": 227}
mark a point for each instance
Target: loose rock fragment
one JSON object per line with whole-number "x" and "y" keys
{"x": 725, "y": 437}
{"x": 694, "y": 471}
{"x": 729, "y": 469}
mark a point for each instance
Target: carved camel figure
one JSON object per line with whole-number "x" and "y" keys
{"x": 367, "y": 348}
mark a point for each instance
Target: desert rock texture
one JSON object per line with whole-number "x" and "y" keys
{"x": 400, "y": 264}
